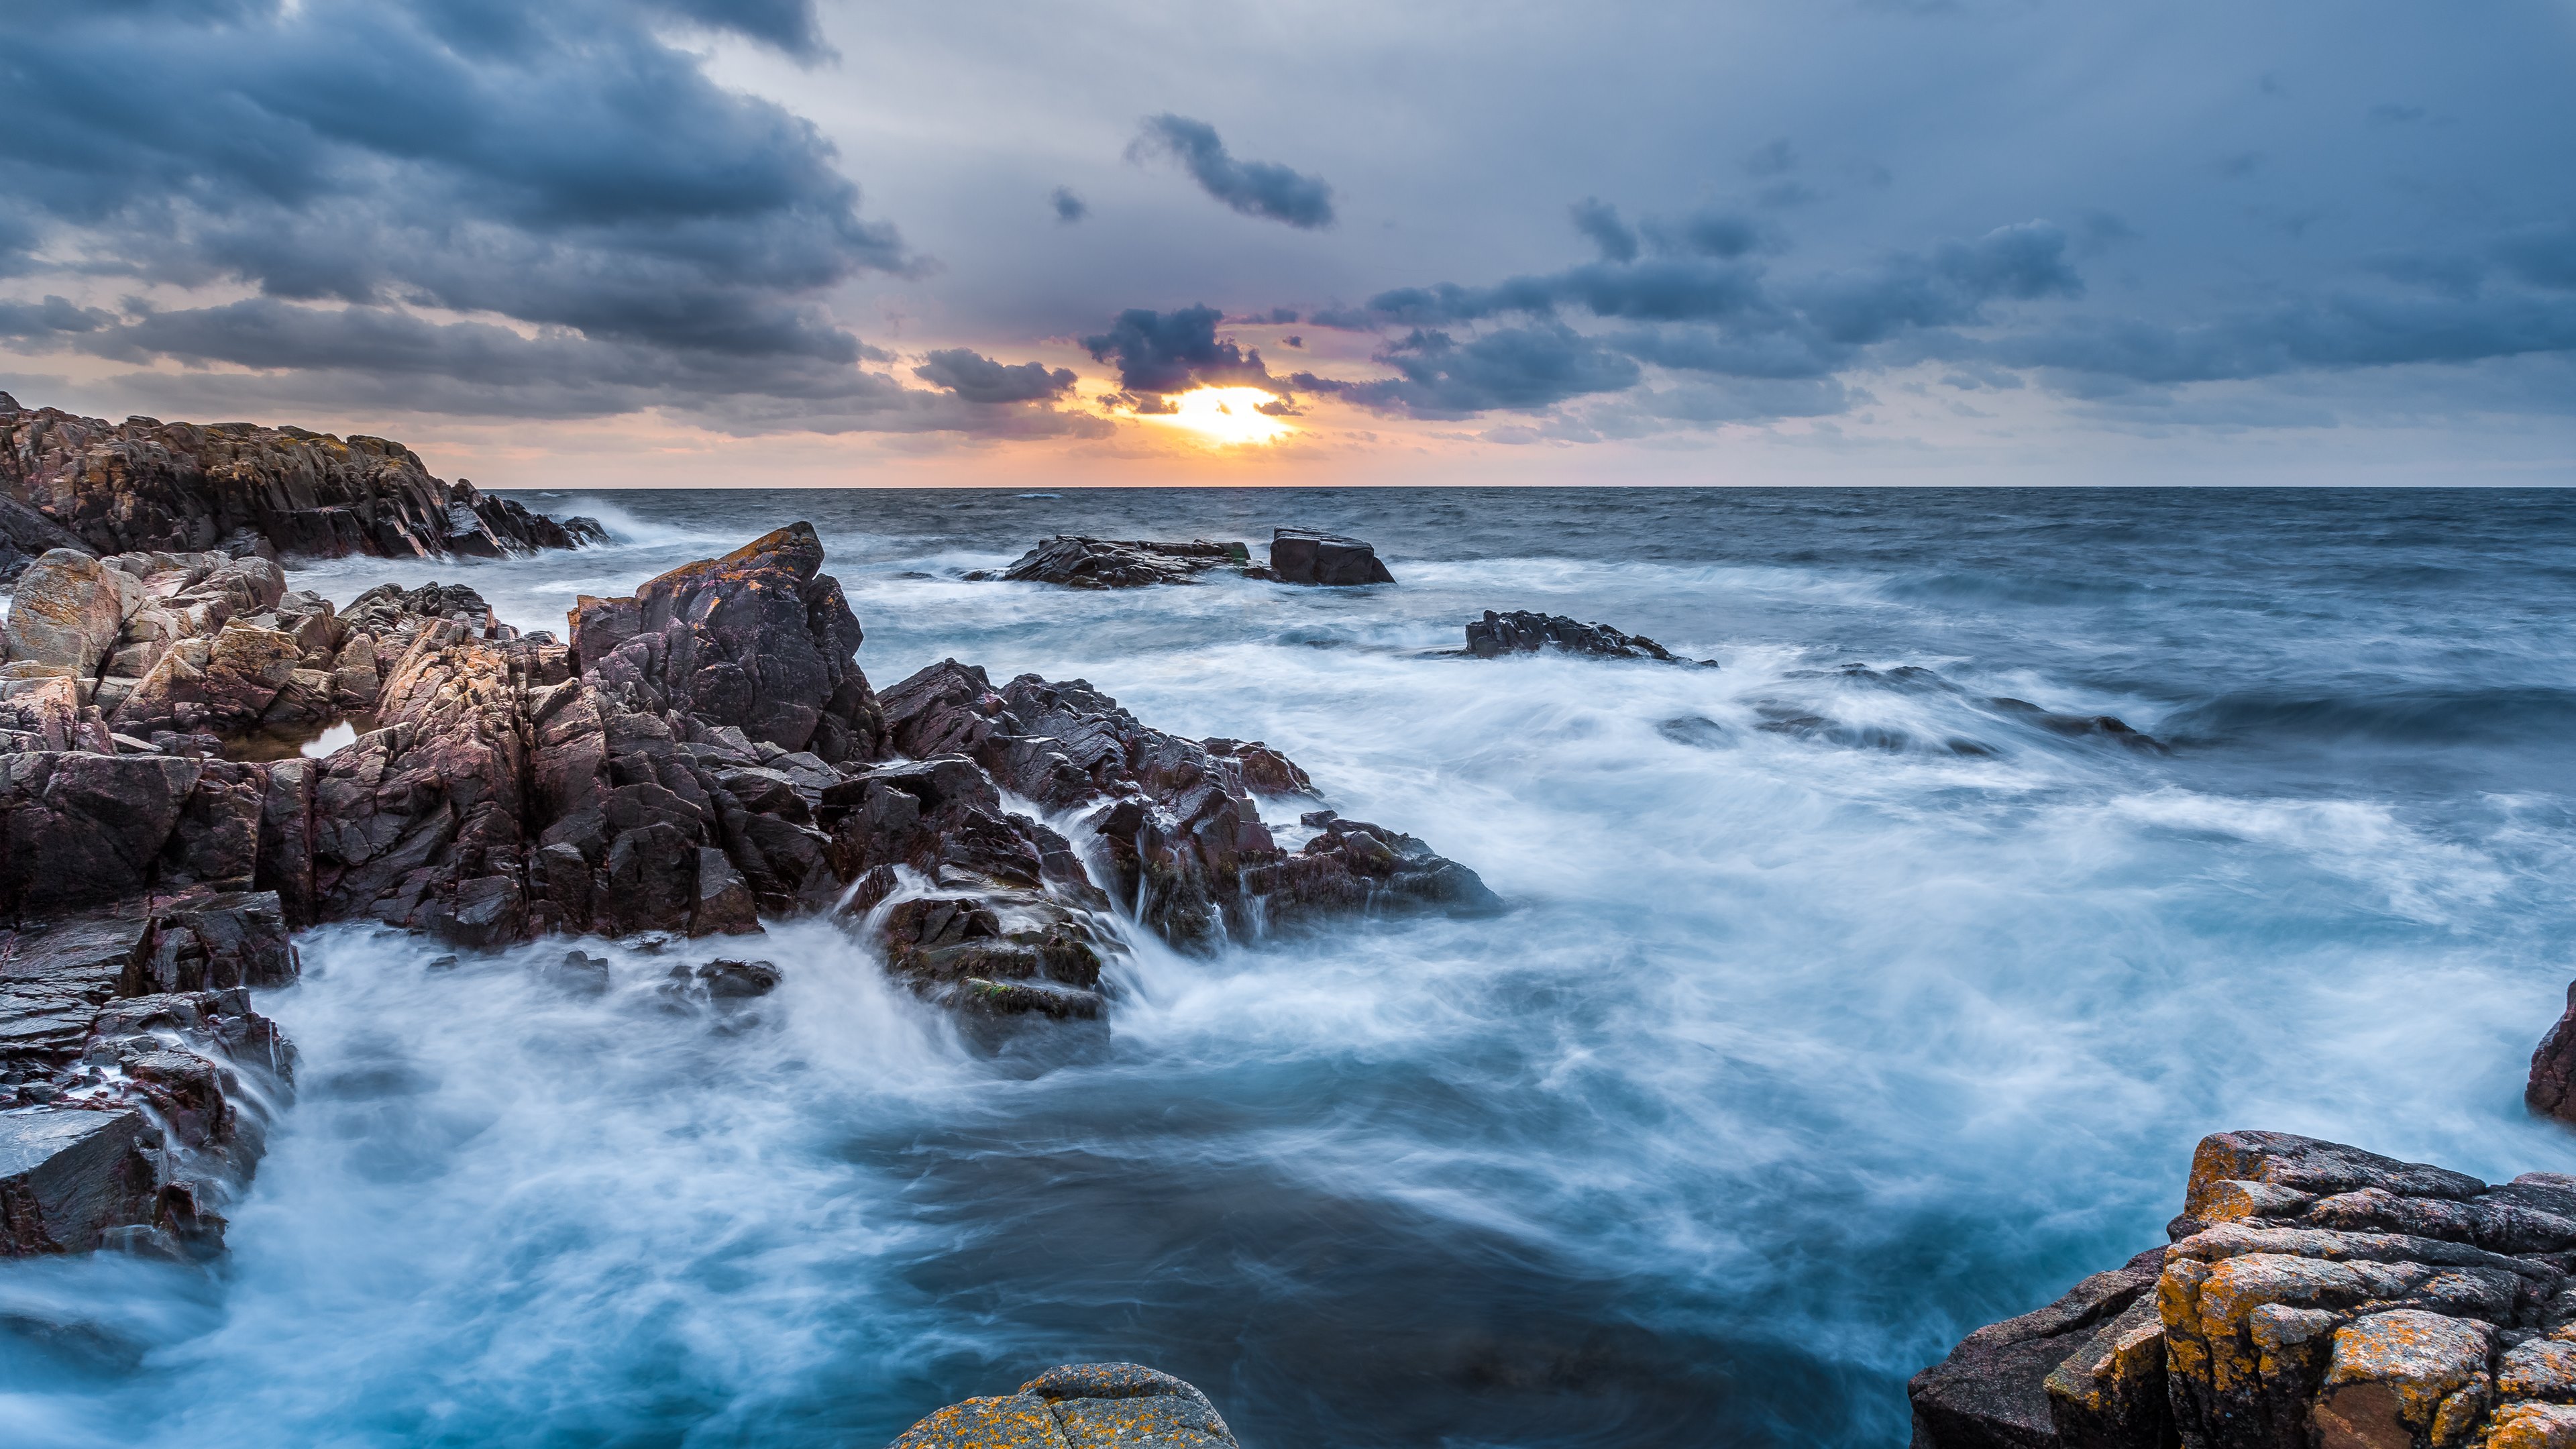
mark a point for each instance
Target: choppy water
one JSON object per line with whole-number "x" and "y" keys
{"x": 1803, "y": 1053}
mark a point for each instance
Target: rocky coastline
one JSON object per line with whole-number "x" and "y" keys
{"x": 685, "y": 763}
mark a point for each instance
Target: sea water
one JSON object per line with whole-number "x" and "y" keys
{"x": 1836, "y": 1012}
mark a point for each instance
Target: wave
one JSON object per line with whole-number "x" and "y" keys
{"x": 2418, "y": 716}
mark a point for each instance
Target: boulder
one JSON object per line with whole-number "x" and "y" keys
{"x": 1080, "y": 1406}
{"x": 1302, "y": 556}
{"x": 1100, "y": 563}
{"x": 68, "y": 610}
{"x": 1523, "y": 632}
{"x": 70, "y": 1176}
{"x": 2315, "y": 1295}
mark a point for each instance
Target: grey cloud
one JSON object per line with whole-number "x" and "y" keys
{"x": 1068, "y": 207}
{"x": 1254, "y": 188}
{"x": 980, "y": 379}
{"x": 562, "y": 166}
{"x": 2328, "y": 333}
{"x": 1600, "y": 221}
{"x": 2544, "y": 256}
{"x": 1523, "y": 369}
{"x": 43, "y": 320}
{"x": 1168, "y": 352}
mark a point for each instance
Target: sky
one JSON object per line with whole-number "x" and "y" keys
{"x": 808, "y": 242}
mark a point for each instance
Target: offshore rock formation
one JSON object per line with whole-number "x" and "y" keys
{"x": 1523, "y": 632}
{"x": 702, "y": 754}
{"x": 2315, "y": 1296}
{"x": 146, "y": 485}
{"x": 1080, "y": 1406}
{"x": 1303, "y": 556}
{"x": 1102, "y": 563}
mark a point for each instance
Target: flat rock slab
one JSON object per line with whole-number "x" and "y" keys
{"x": 1080, "y": 1406}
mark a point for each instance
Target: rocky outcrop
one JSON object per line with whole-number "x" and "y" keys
{"x": 26, "y": 535}
{"x": 1102, "y": 563}
{"x": 2315, "y": 1296}
{"x": 1179, "y": 828}
{"x": 2552, "y": 1088}
{"x": 146, "y": 485}
{"x": 1523, "y": 632}
{"x": 1080, "y": 1406}
{"x": 1303, "y": 556}
{"x": 136, "y": 1078}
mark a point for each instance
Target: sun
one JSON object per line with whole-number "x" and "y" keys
{"x": 1224, "y": 416}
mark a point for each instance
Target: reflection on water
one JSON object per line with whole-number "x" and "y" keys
{"x": 1802, "y": 1051}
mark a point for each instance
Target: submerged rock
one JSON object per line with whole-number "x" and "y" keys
{"x": 1101, "y": 563}
{"x": 1080, "y": 1406}
{"x": 1302, "y": 556}
{"x": 1523, "y": 632}
{"x": 2314, "y": 1295}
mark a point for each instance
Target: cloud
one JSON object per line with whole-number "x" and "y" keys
{"x": 1167, "y": 352}
{"x": 1600, "y": 221}
{"x": 1255, "y": 188}
{"x": 1523, "y": 369}
{"x": 980, "y": 379}
{"x": 1068, "y": 207}
{"x": 563, "y": 167}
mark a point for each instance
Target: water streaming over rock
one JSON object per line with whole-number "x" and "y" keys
{"x": 1841, "y": 1010}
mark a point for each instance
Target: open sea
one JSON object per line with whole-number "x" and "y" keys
{"x": 1838, "y": 1011}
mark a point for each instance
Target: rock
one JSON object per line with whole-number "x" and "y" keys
{"x": 1301, "y": 556}
{"x": 1080, "y": 1406}
{"x": 1100, "y": 563}
{"x": 738, "y": 980}
{"x": 26, "y": 535}
{"x": 148, "y": 485}
{"x": 221, "y": 685}
{"x": 2316, "y": 1295}
{"x": 68, "y": 1177}
{"x": 1522, "y": 632}
{"x": 68, "y": 610}
{"x": 2079, "y": 726}
{"x": 2552, "y": 1089}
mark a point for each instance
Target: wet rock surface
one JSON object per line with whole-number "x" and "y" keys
{"x": 147, "y": 485}
{"x": 1523, "y": 632}
{"x": 1101, "y": 563}
{"x": 2551, "y": 1091}
{"x": 2315, "y": 1296}
{"x": 701, "y": 755}
{"x": 1080, "y": 1406}
{"x": 1303, "y": 556}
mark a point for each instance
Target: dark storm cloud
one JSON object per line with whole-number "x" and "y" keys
{"x": 980, "y": 379}
{"x": 2333, "y": 332}
{"x": 1067, "y": 206}
{"x": 1600, "y": 221}
{"x": 1255, "y": 188}
{"x": 1169, "y": 352}
{"x": 1522, "y": 369}
{"x": 561, "y": 166}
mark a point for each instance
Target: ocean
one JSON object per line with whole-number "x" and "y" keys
{"x": 1840, "y": 1008}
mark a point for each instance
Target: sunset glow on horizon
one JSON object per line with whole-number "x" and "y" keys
{"x": 1225, "y": 417}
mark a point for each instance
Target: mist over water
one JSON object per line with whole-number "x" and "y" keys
{"x": 1839, "y": 1011}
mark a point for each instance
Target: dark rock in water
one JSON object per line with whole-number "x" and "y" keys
{"x": 1265, "y": 770}
{"x": 576, "y": 971}
{"x": 2079, "y": 726}
{"x": 1523, "y": 632}
{"x": 2552, "y": 1089}
{"x": 1101, "y": 563}
{"x": 1301, "y": 556}
{"x": 1080, "y": 1406}
{"x": 69, "y": 1177}
{"x": 1183, "y": 835}
{"x": 738, "y": 980}
{"x": 147, "y": 485}
{"x": 2314, "y": 1295}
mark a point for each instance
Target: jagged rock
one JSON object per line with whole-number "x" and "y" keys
{"x": 738, "y": 980}
{"x": 26, "y": 535}
{"x": 2552, "y": 1089}
{"x": 2315, "y": 1295}
{"x": 1184, "y": 837}
{"x": 69, "y": 1177}
{"x": 221, "y": 685}
{"x": 1080, "y": 1406}
{"x": 145, "y": 484}
{"x": 1102, "y": 563}
{"x": 1523, "y": 632}
{"x": 1302, "y": 556}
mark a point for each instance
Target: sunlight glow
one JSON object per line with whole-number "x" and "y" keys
{"x": 1225, "y": 416}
